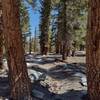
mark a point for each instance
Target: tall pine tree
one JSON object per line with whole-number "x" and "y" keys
{"x": 44, "y": 25}
{"x": 1, "y": 37}
{"x": 19, "y": 81}
{"x": 93, "y": 50}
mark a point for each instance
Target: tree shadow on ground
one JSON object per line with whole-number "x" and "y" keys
{"x": 67, "y": 71}
{"x": 41, "y": 62}
{"x": 68, "y": 95}
{"x": 4, "y": 87}
{"x": 64, "y": 71}
{"x": 43, "y": 59}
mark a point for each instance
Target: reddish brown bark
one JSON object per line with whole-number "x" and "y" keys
{"x": 19, "y": 81}
{"x": 1, "y": 38}
{"x": 93, "y": 50}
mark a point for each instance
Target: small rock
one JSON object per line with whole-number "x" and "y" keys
{"x": 83, "y": 81}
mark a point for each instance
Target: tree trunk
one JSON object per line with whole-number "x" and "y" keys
{"x": 19, "y": 81}
{"x": 1, "y": 38}
{"x": 93, "y": 50}
{"x": 64, "y": 30}
{"x": 68, "y": 53}
{"x": 35, "y": 40}
{"x": 44, "y": 26}
{"x": 58, "y": 47}
{"x": 64, "y": 51}
{"x": 30, "y": 44}
{"x": 59, "y": 33}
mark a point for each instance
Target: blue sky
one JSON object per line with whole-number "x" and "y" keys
{"x": 34, "y": 19}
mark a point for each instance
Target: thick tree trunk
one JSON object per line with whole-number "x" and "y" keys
{"x": 19, "y": 81}
{"x": 93, "y": 50}
{"x": 1, "y": 38}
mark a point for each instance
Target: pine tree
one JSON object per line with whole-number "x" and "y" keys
{"x": 93, "y": 50}
{"x": 44, "y": 25}
{"x": 1, "y": 38}
{"x": 19, "y": 81}
{"x": 59, "y": 30}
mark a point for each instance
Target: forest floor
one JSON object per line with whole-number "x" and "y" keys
{"x": 53, "y": 79}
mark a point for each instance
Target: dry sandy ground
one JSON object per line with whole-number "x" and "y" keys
{"x": 62, "y": 79}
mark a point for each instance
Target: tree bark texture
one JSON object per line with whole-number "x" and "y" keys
{"x": 93, "y": 50}
{"x": 1, "y": 38}
{"x": 19, "y": 81}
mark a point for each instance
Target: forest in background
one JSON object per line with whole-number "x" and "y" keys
{"x": 53, "y": 38}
